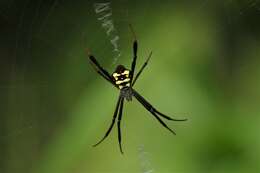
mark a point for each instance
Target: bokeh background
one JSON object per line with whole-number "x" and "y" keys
{"x": 205, "y": 67}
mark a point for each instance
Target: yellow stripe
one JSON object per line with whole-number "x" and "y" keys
{"x": 126, "y": 72}
{"x": 116, "y": 74}
{"x": 122, "y": 81}
{"x": 121, "y": 86}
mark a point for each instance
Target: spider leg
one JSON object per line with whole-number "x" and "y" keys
{"x": 151, "y": 108}
{"x": 169, "y": 118}
{"x": 118, "y": 124}
{"x": 113, "y": 122}
{"x": 142, "y": 68}
{"x": 153, "y": 111}
{"x": 100, "y": 73}
{"x": 135, "y": 54}
{"x": 100, "y": 70}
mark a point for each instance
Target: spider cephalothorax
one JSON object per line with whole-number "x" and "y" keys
{"x": 124, "y": 80}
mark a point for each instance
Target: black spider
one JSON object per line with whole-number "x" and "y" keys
{"x": 124, "y": 80}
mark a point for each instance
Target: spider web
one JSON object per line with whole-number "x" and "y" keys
{"x": 29, "y": 19}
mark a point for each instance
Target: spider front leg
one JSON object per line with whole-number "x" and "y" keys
{"x": 100, "y": 70}
{"x": 142, "y": 68}
{"x": 135, "y": 46}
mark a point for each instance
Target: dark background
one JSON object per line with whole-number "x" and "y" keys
{"x": 205, "y": 67}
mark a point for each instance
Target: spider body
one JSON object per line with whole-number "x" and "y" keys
{"x": 124, "y": 80}
{"x": 127, "y": 93}
{"x": 121, "y": 77}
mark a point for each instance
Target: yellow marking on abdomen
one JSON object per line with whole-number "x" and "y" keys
{"x": 122, "y": 86}
{"x": 118, "y": 82}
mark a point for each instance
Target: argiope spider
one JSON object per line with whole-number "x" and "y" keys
{"x": 124, "y": 80}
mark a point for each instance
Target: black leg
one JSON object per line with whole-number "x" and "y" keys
{"x": 118, "y": 124}
{"x": 101, "y": 70}
{"x": 100, "y": 73}
{"x": 142, "y": 68}
{"x": 135, "y": 54}
{"x": 153, "y": 111}
{"x": 140, "y": 99}
{"x": 169, "y": 118}
{"x": 151, "y": 108}
{"x": 113, "y": 122}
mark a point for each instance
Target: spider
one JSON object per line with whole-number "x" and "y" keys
{"x": 124, "y": 80}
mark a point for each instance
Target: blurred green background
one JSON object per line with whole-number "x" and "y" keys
{"x": 205, "y": 67}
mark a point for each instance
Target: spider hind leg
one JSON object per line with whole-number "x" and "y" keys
{"x": 118, "y": 124}
{"x": 113, "y": 122}
{"x": 154, "y": 112}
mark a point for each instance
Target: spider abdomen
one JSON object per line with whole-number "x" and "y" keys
{"x": 121, "y": 77}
